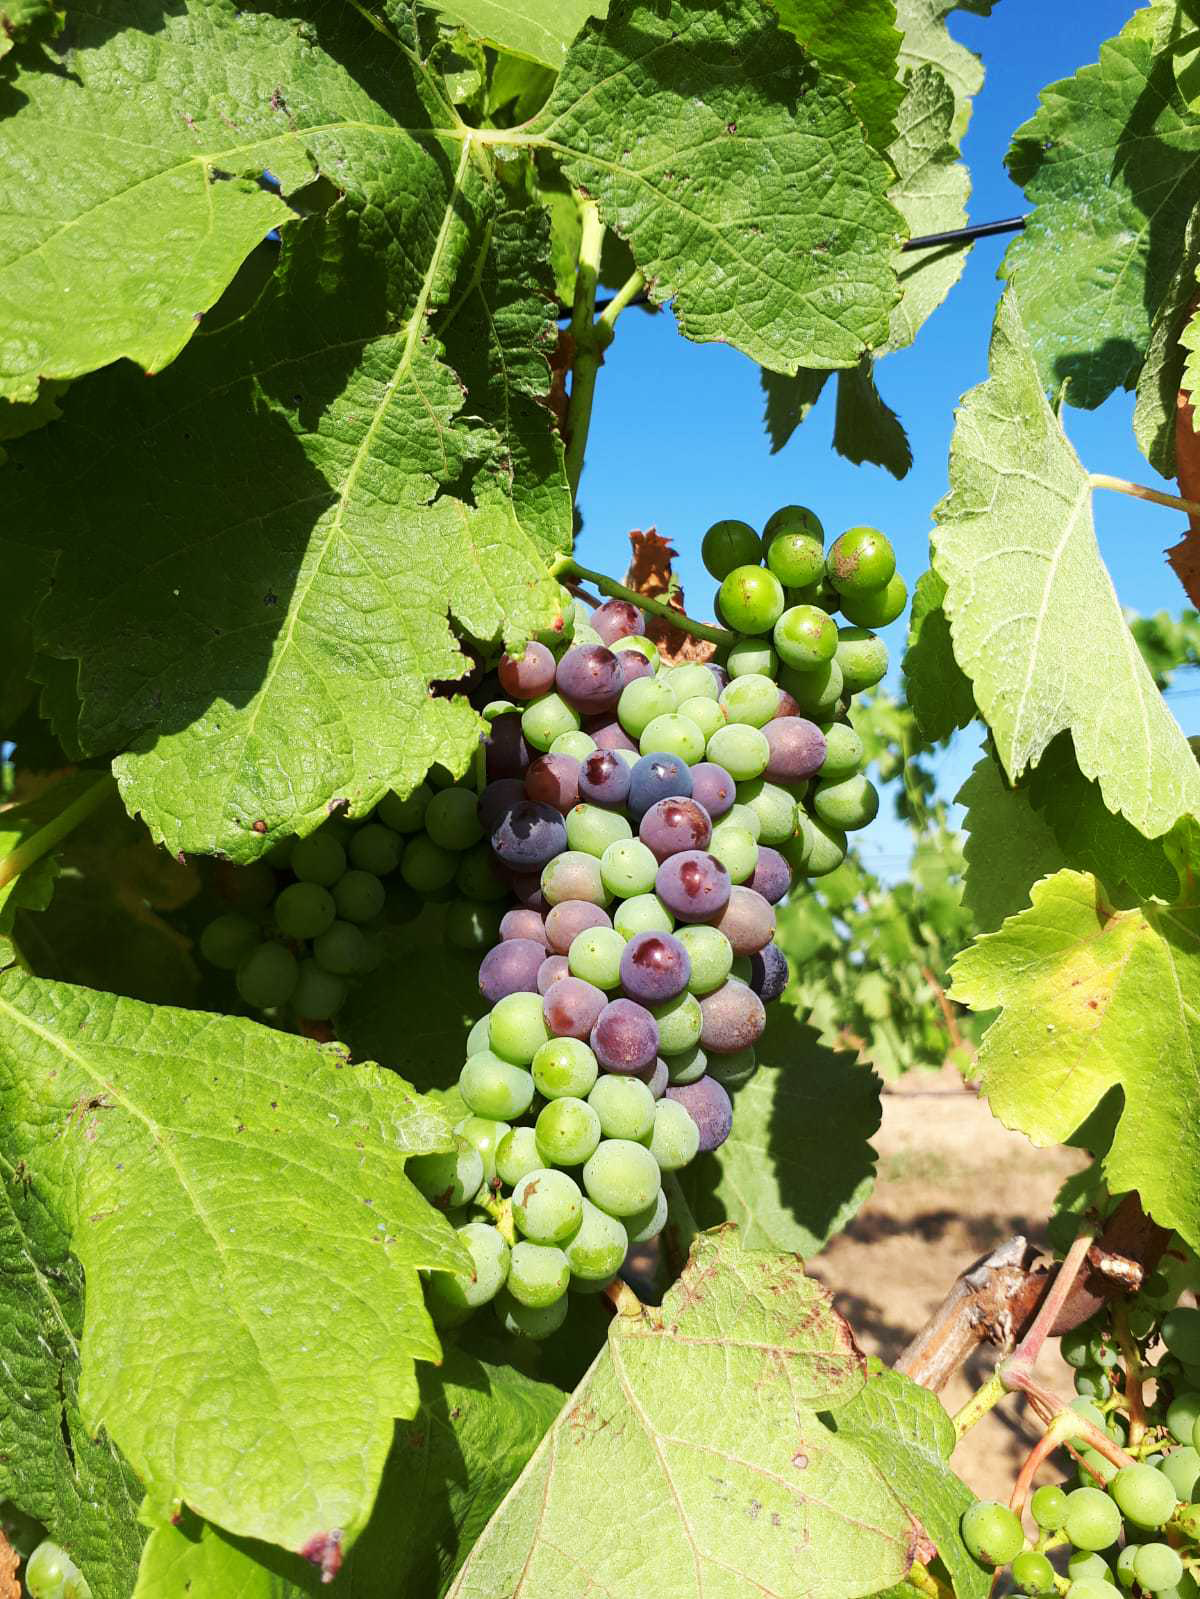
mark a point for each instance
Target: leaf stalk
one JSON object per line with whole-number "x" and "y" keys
{"x": 54, "y": 831}
{"x": 590, "y": 341}
{"x": 1139, "y": 491}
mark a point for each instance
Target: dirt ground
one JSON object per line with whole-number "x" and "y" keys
{"x": 952, "y": 1184}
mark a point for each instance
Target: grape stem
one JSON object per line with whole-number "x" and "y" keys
{"x": 567, "y": 566}
{"x": 923, "y": 1579}
{"x": 1067, "y": 1425}
{"x": 1133, "y": 1374}
{"x": 500, "y": 1210}
{"x": 1017, "y": 1371}
{"x": 981, "y": 1403}
{"x": 622, "y": 1298}
{"x": 1139, "y": 491}
{"x": 41, "y": 842}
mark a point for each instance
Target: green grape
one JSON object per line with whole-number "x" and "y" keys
{"x": 495, "y": 1088}
{"x": 472, "y": 926}
{"x": 476, "y": 878}
{"x": 1143, "y": 1495}
{"x": 742, "y": 750}
{"x": 1091, "y": 1588}
{"x": 818, "y": 693}
{"x": 357, "y": 897}
{"x": 252, "y": 888}
{"x": 739, "y": 815}
{"x": 579, "y": 744}
{"x": 574, "y": 875}
{"x": 751, "y": 700}
{"x": 688, "y": 1066}
{"x": 621, "y": 1177}
{"x": 342, "y": 948}
{"x": 518, "y": 1028}
{"x": 595, "y": 956}
{"x": 1156, "y": 1566}
{"x": 710, "y": 953}
{"x": 729, "y": 544}
{"x": 267, "y": 976}
{"x": 1125, "y": 1562}
{"x": 1100, "y": 1465}
{"x": 545, "y": 719}
{"x": 691, "y": 681}
{"x": 627, "y": 867}
{"x": 679, "y": 1022}
{"x": 749, "y": 657}
{"x": 591, "y": 829}
{"x": 706, "y": 714}
{"x": 774, "y": 806}
{"x": 450, "y": 1178}
{"x": 732, "y": 1071}
{"x": 568, "y": 1131}
{"x": 538, "y": 1274}
{"x": 847, "y": 803}
{"x": 816, "y": 849}
{"x": 796, "y": 558}
{"x": 673, "y": 735}
{"x": 1181, "y": 1334}
{"x": 675, "y": 1141}
{"x": 844, "y": 752}
{"x": 477, "y": 1038}
{"x": 495, "y": 708}
{"x": 644, "y": 646}
{"x": 377, "y": 849}
{"x": 427, "y": 867}
{"x": 642, "y": 702}
{"x": 1092, "y": 1520}
{"x": 547, "y": 1205}
{"x": 1049, "y": 1507}
{"x": 643, "y": 913}
{"x": 405, "y": 815}
{"x": 861, "y": 561}
{"x": 792, "y": 519}
{"x": 1093, "y": 1383}
{"x": 598, "y": 1247}
{"x": 1084, "y": 1566}
{"x": 529, "y": 1321}
{"x": 1181, "y": 1468}
{"x": 564, "y": 1068}
{"x": 625, "y": 1107}
{"x": 878, "y": 609}
{"x": 227, "y": 940}
{"x": 483, "y": 1133}
{"x": 451, "y": 821}
{"x": 750, "y": 599}
{"x": 741, "y": 968}
{"x": 991, "y": 1532}
{"x": 1032, "y": 1572}
{"x": 517, "y": 1155}
{"x": 319, "y": 858}
{"x": 648, "y": 1223}
{"x": 318, "y": 994}
{"x": 1085, "y": 1407}
{"x": 1142, "y": 1320}
{"x": 50, "y": 1573}
{"x": 1182, "y": 1416}
{"x": 490, "y": 1261}
{"x": 862, "y": 657}
{"x": 805, "y": 637}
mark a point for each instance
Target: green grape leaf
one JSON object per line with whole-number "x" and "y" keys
{"x": 905, "y": 1430}
{"x": 541, "y": 30}
{"x": 266, "y": 647}
{"x": 28, "y": 834}
{"x": 26, "y": 571}
{"x": 448, "y": 1470}
{"x": 927, "y": 42}
{"x": 237, "y": 1200}
{"x": 798, "y": 1164}
{"x": 860, "y": 43}
{"x": 1031, "y": 605}
{"x": 790, "y": 396}
{"x": 1009, "y": 845}
{"x": 1156, "y": 412}
{"x": 865, "y": 428}
{"x": 936, "y": 687}
{"x": 1111, "y": 161}
{"x": 28, "y": 21}
{"x": 746, "y": 1487}
{"x": 662, "y": 115}
{"x": 1094, "y": 999}
{"x": 52, "y": 1467}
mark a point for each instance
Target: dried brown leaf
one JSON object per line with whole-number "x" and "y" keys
{"x": 10, "y": 1587}
{"x": 1185, "y": 556}
{"x": 651, "y": 573}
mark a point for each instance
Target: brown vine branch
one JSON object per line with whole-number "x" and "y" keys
{"x": 944, "y": 1005}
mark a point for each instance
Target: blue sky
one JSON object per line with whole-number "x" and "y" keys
{"x": 677, "y": 438}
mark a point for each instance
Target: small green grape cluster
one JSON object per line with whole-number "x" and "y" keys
{"x": 50, "y": 1573}
{"x": 1132, "y": 1527}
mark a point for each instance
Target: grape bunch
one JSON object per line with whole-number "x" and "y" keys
{"x": 1133, "y": 1526}
{"x": 50, "y": 1573}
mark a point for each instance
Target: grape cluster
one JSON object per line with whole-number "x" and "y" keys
{"x": 1134, "y": 1527}
{"x": 50, "y": 1573}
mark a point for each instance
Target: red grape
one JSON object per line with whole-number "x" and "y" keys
{"x": 707, "y": 1103}
{"x": 525, "y": 676}
{"x": 625, "y": 1037}
{"x": 732, "y": 1018}
{"x": 618, "y": 619}
{"x": 569, "y": 918}
{"x": 523, "y": 923}
{"x": 572, "y": 1007}
{"x": 693, "y": 886}
{"x": 589, "y": 676}
{"x": 554, "y": 780}
{"x": 654, "y": 968}
{"x": 510, "y": 967}
{"x": 672, "y": 825}
{"x": 604, "y": 777}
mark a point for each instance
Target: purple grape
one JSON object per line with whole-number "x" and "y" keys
{"x": 553, "y": 780}
{"x": 570, "y": 917}
{"x": 748, "y": 922}
{"x": 672, "y": 825}
{"x": 797, "y": 748}
{"x": 497, "y": 798}
{"x": 529, "y": 835}
{"x": 709, "y": 1106}
{"x": 505, "y": 751}
{"x": 604, "y": 777}
{"x": 589, "y": 677}
{"x": 719, "y": 672}
{"x": 625, "y": 1037}
{"x": 608, "y": 732}
{"x": 713, "y": 788}
{"x": 526, "y": 676}
{"x": 633, "y": 665}
{"x": 654, "y": 968}
{"x": 655, "y": 1077}
{"x": 572, "y": 1007}
{"x": 732, "y": 1018}
{"x": 523, "y": 923}
{"x": 768, "y": 972}
{"x": 511, "y": 968}
{"x": 693, "y": 886}
{"x": 618, "y": 619}
{"x": 526, "y": 889}
{"x": 657, "y": 777}
{"x": 772, "y": 876}
{"x": 787, "y": 705}
{"x": 554, "y": 969}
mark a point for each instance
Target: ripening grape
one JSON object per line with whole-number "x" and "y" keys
{"x": 772, "y": 875}
{"x": 522, "y": 923}
{"x": 747, "y": 921}
{"x": 570, "y": 917}
{"x": 573, "y": 875}
{"x": 712, "y": 788}
{"x": 732, "y": 1018}
{"x": 694, "y": 886}
{"x": 625, "y": 1037}
{"x": 654, "y": 967}
{"x": 553, "y": 780}
{"x": 672, "y": 825}
{"x": 617, "y": 619}
{"x": 603, "y": 778}
{"x": 589, "y": 678}
{"x": 528, "y": 675}
{"x": 768, "y": 972}
{"x": 511, "y": 967}
{"x": 657, "y": 777}
{"x": 991, "y": 1532}
{"x": 527, "y": 836}
{"x": 571, "y": 1008}
{"x": 709, "y": 1106}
